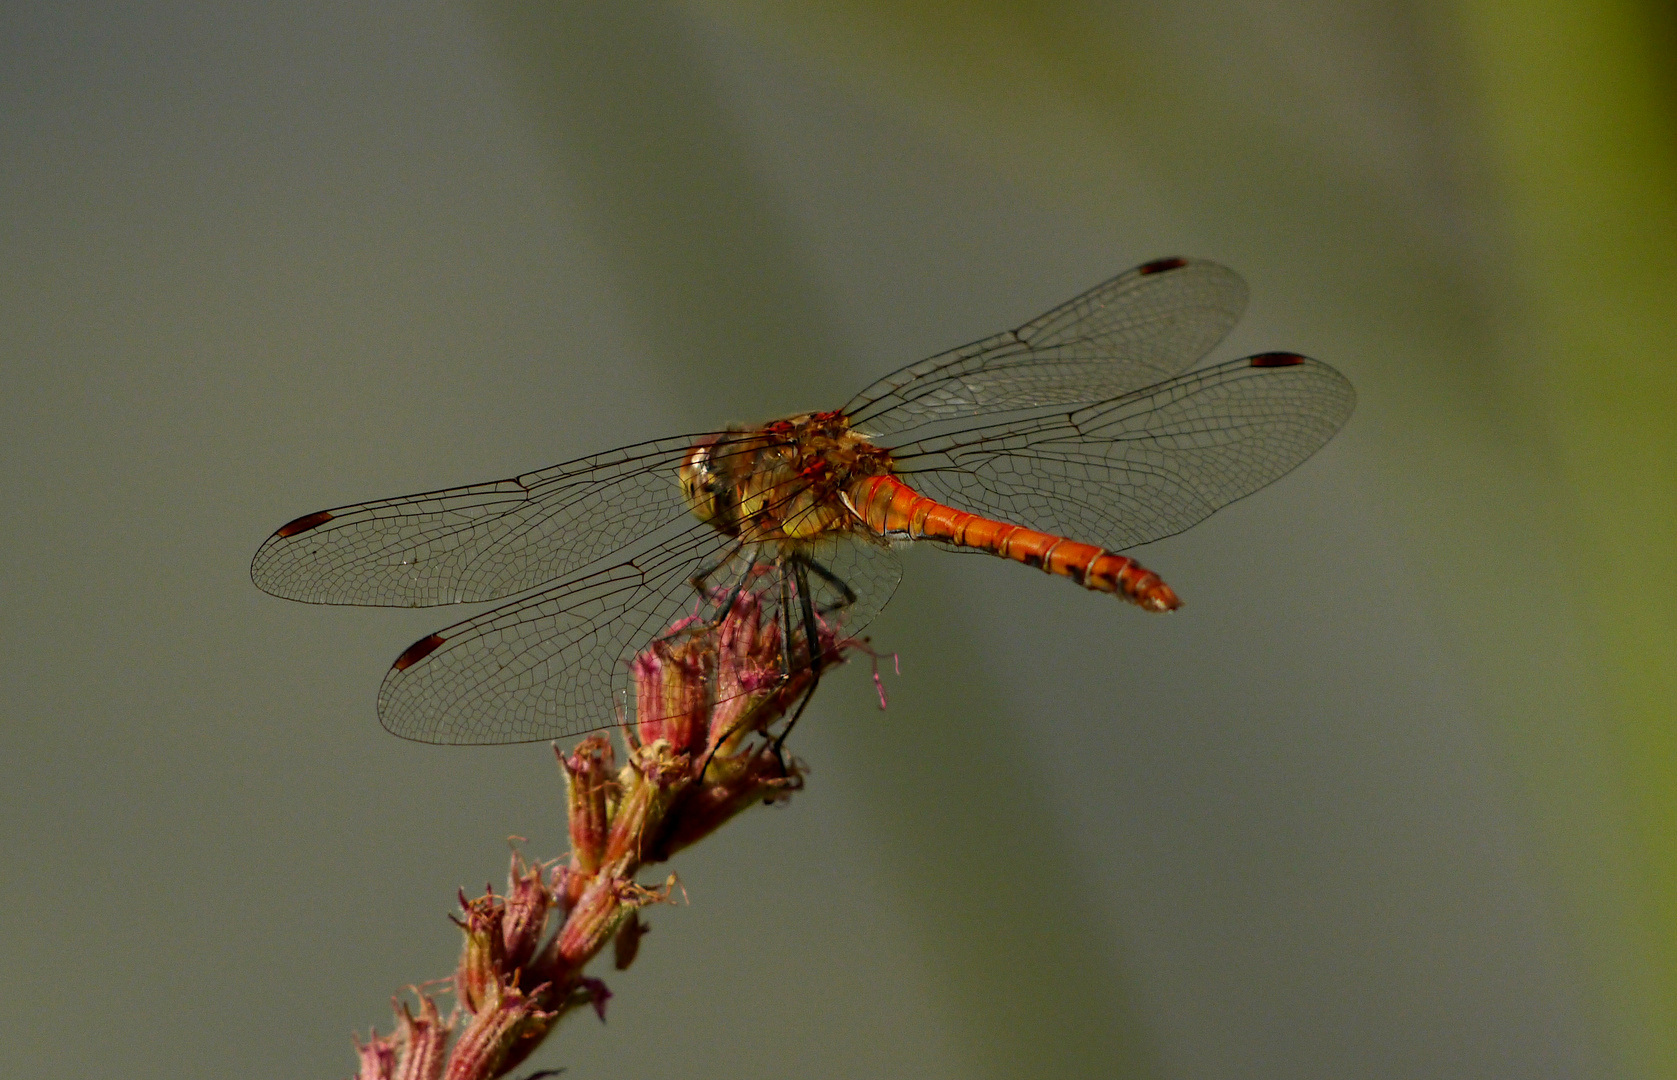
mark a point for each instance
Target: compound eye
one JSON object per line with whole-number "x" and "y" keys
{"x": 699, "y": 482}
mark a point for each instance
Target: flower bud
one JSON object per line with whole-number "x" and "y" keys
{"x": 378, "y": 1057}
{"x": 673, "y": 681}
{"x": 657, "y": 774}
{"x": 508, "y": 1025}
{"x": 591, "y": 923}
{"x": 528, "y": 902}
{"x": 424, "y": 1038}
{"x": 482, "y": 955}
{"x": 589, "y": 783}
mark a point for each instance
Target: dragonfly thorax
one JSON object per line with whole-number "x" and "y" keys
{"x": 784, "y": 481}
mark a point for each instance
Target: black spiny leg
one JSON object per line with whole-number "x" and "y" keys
{"x": 812, "y": 645}
{"x": 701, "y": 583}
{"x": 836, "y": 582}
{"x": 785, "y": 616}
{"x": 806, "y": 603}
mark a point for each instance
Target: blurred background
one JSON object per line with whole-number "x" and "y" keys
{"x": 1391, "y": 797}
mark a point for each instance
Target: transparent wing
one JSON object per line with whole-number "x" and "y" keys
{"x": 851, "y": 579}
{"x": 556, "y": 664}
{"x": 1142, "y": 326}
{"x": 1142, "y": 466}
{"x": 481, "y": 542}
{"x": 495, "y": 540}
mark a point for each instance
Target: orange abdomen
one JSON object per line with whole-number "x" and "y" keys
{"x": 892, "y": 508}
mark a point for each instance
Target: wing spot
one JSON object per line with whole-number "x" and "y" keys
{"x": 304, "y": 524}
{"x": 1276, "y": 359}
{"x": 418, "y": 651}
{"x": 1159, "y": 266}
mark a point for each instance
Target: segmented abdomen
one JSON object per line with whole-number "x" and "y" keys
{"x": 893, "y": 509}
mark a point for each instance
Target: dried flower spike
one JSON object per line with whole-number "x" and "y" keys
{"x": 700, "y": 752}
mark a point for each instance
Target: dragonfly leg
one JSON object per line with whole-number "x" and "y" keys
{"x": 812, "y": 648}
{"x": 780, "y": 740}
{"x": 787, "y": 657}
{"x": 733, "y": 597}
{"x": 717, "y": 745}
{"x": 701, "y": 580}
{"x": 835, "y": 581}
{"x": 785, "y": 616}
{"x": 806, "y": 606}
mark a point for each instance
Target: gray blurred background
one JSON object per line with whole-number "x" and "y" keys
{"x": 1388, "y": 798}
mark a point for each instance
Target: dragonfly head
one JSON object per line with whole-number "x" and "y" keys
{"x": 701, "y": 486}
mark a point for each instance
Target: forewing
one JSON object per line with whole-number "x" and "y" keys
{"x": 482, "y": 542}
{"x": 1142, "y": 466}
{"x": 1142, "y": 326}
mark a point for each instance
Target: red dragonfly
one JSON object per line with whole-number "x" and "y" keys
{"x": 1057, "y": 445}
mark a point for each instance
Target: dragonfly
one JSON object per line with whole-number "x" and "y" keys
{"x": 1060, "y": 444}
